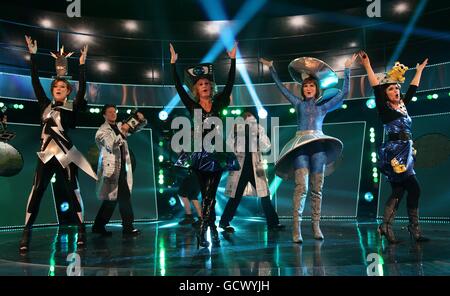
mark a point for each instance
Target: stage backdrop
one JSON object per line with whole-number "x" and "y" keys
{"x": 341, "y": 188}
{"x": 15, "y": 190}
{"x": 431, "y": 136}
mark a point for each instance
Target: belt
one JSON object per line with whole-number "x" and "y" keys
{"x": 402, "y": 136}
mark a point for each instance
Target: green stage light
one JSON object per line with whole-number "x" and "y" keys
{"x": 161, "y": 158}
{"x": 161, "y": 190}
{"x": 161, "y": 181}
{"x": 16, "y": 106}
{"x": 2, "y": 104}
{"x": 225, "y": 112}
{"x": 429, "y": 97}
{"x": 291, "y": 110}
{"x": 344, "y": 106}
{"x": 375, "y": 180}
{"x": 161, "y": 143}
{"x": 238, "y": 112}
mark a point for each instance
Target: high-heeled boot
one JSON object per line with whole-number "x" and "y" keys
{"x": 25, "y": 241}
{"x": 300, "y": 191}
{"x": 214, "y": 235}
{"x": 201, "y": 236}
{"x": 385, "y": 229}
{"x": 316, "y": 183}
{"x": 413, "y": 226}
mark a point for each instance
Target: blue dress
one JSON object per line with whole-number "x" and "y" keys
{"x": 396, "y": 155}
{"x": 309, "y": 136}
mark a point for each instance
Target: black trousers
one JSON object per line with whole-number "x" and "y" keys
{"x": 42, "y": 177}
{"x": 209, "y": 181}
{"x": 411, "y": 186}
{"x": 124, "y": 199}
{"x": 247, "y": 175}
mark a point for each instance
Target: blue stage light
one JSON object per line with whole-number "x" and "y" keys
{"x": 172, "y": 201}
{"x": 370, "y": 103}
{"x": 64, "y": 207}
{"x": 163, "y": 115}
{"x": 368, "y": 196}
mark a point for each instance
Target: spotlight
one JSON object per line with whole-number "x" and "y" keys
{"x": 214, "y": 28}
{"x": 401, "y": 7}
{"x": 128, "y": 111}
{"x": 297, "y": 21}
{"x": 344, "y": 106}
{"x": 131, "y": 26}
{"x": 27, "y": 57}
{"x": 224, "y": 112}
{"x": 372, "y": 140}
{"x": 46, "y": 23}
{"x": 233, "y": 112}
{"x": 161, "y": 143}
{"x": 353, "y": 44}
{"x": 163, "y": 115}
{"x": 2, "y": 104}
{"x": 161, "y": 181}
{"x": 91, "y": 110}
{"x": 161, "y": 190}
{"x": 81, "y": 38}
{"x": 370, "y": 103}
{"x": 64, "y": 207}
{"x": 16, "y": 106}
{"x": 368, "y": 196}
{"x": 238, "y": 112}
{"x": 414, "y": 99}
{"x": 21, "y": 106}
{"x": 435, "y": 96}
{"x": 161, "y": 158}
{"x": 262, "y": 113}
{"x": 373, "y": 154}
{"x": 429, "y": 97}
{"x": 53, "y": 180}
{"x": 103, "y": 66}
{"x": 371, "y": 130}
{"x": 172, "y": 201}
{"x": 291, "y": 110}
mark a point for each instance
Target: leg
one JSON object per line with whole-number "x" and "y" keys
{"x": 390, "y": 210}
{"x": 197, "y": 207}
{"x": 188, "y": 218}
{"x": 318, "y": 161}
{"x": 103, "y": 216}
{"x": 270, "y": 213}
{"x": 42, "y": 177}
{"x": 125, "y": 208}
{"x": 301, "y": 165}
{"x": 413, "y": 188}
{"x": 70, "y": 177}
{"x": 233, "y": 202}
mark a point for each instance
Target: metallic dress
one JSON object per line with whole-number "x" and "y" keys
{"x": 204, "y": 160}
{"x": 310, "y": 116}
{"x": 396, "y": 155}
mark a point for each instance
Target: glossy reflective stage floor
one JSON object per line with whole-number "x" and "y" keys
{"x": 165, "y": 248}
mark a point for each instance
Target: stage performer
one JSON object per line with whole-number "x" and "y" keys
{"x": 251, "y": 179}
{"x": 307, "y": 154}
{"x": 57, "y": 154}
{"x": 207, "y": 165}
{"x": 397, "y": 155}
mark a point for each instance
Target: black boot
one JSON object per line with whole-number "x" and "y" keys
{"x": 385, "y": 229}
{"x": 413, "y": 226}
{"x": 25, "y": 242}
{"x": 214, "y": 235}
{"x": 130, "y": 231}
{"x": 81, "y": 235}
{"x": 201, "y": 236}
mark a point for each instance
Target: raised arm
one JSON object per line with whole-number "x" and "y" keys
{"x": 338, "y": 99}
{"x": 419, "y": 69}
{"x": 226, "y": 93}
{"x": 365, "y": 61}
{"x": 184, "y": 96}
{"x": 80, "y": 103}
{"x": 294, "y": 100}
{"x": 39, "y": 92}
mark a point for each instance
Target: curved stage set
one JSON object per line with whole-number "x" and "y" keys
{"x": 69, "y": 157}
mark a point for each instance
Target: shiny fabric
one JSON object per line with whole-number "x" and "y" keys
{"x": 298, "y": 147}
{"x": 310, "y": 116}
{"x": 396, "y": 158}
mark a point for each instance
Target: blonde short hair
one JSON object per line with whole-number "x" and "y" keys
{"x": 213, "y": 89}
